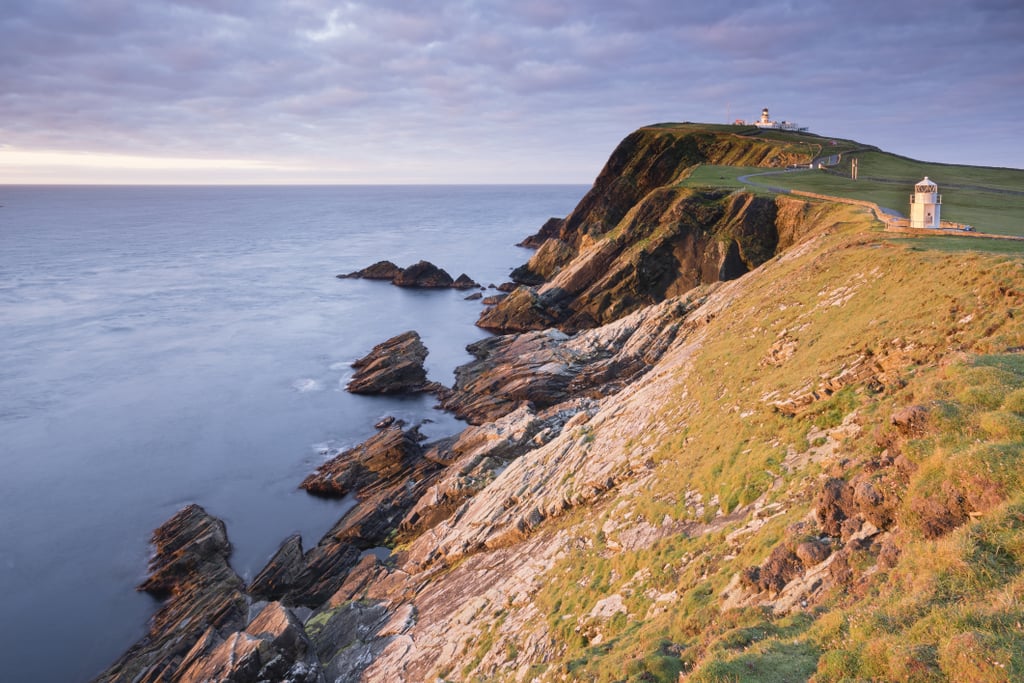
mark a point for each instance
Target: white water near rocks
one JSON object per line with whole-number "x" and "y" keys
{"x": 160, "y": 346}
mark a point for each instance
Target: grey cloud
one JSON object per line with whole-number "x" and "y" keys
{"x": 356, "y": 81}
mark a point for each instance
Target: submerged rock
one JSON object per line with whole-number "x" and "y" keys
{"x": 392, "y": 367}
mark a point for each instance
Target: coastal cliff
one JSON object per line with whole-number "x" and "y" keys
{"x": 726, "y": 436}
{"x": 638, "y": 236}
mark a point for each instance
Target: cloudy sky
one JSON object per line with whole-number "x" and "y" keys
{"x": 457, "y": 91}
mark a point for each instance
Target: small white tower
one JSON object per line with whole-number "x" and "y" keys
{"x": 764, "y": 117}
{"x": 925, "y": 204}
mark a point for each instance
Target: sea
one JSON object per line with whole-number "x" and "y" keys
{"x": 161, "y": 346}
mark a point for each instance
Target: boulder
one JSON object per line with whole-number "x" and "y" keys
{"x": 834, "y": 504}
{"x": 392, "y": 367}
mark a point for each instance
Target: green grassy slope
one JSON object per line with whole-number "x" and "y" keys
{"x": 991, "y": 199}
{"x": 938, "y": 595}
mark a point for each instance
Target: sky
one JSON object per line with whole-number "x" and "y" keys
{"x": 476, "y": 91}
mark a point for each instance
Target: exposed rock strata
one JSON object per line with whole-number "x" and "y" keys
{"x": 389, "y": 474}
{"x": 551, "y": 228}
{"x": 480, "y": 454}
{"x": 674, "y": 239}
{"x": 548, "y": 367}
{"x": 636, "y": 238}
{"x": 392, "y": 367}
{"x": 204, "y": 596}
{"x": 552, "y": 255}
{"x": 272, "y": 647}
{"x": 384, "y": 456}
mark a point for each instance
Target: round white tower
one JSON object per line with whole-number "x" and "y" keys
{"x": 764, "y": 117}
{"x": 925, "y": 204}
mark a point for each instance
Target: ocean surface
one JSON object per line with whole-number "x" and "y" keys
{"x": 167, "y": 345}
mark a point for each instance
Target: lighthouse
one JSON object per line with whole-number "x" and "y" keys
{"x": 925, "y": 204}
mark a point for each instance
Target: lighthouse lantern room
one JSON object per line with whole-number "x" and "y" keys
{"x": 925, "y": 204}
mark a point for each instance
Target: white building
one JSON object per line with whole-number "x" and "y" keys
{"x": 766, "y": 122}
{"x": 925, "y": 204}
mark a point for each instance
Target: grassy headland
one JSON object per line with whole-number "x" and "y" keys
{"x": 991, "y": 199}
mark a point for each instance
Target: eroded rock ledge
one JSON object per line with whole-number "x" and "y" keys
{"x": 392, "y": 367}
{"x": 204, "y": 596}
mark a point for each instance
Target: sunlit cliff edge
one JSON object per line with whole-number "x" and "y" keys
{"x": 726, "y": 434}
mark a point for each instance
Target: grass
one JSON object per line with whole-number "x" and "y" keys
{"x": 727, "y": 177}
{"x": 991, "y": 199}
{"x": 953, "y": 604}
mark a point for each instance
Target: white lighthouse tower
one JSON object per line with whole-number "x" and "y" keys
{"x": 925, "y": 204}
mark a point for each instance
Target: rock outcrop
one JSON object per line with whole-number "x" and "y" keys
{"x": 552, "y": 255}
{"x": 388, "y": 473}
{"x": 421, "y": 275}
{"x": 392, "y": 367}
{"x": 381, "y": 270}
{"x": 272, "y": 647}
{"x": 674, "y": 239}
{"x": 548, "y": 367}
{"x": 551, "y": 228}
{"x": 204, "y": 597}
{"x": 385, "y": 455}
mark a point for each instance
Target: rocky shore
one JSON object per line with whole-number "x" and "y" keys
{"x": 602, "y": 382}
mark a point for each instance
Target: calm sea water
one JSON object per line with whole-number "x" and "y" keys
{"x": 160, "y": 346}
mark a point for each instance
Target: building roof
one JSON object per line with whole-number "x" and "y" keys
{"x": 926, "y": 182}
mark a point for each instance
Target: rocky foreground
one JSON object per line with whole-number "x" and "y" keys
{"x": 670, "y": 470}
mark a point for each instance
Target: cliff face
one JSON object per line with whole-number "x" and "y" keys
{"x": 637, "y": 237}
{"x": 654, "y": 157}
{"x": 813, "y": 470}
